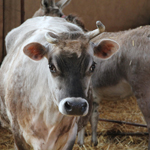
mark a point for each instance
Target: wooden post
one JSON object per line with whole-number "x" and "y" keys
{"x": 3, "y": 33}
{"x": 1, "y": 29}
{"x": 11, "y": 18}
{"x": 22, "y": 11}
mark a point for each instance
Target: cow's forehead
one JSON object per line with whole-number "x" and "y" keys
{"x": 71, "y": 62}
{"x": 70, "y": 47}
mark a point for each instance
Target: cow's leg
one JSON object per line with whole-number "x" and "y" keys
{"x": 19, "y": 141}
{"x": 149, "y": 139}
{"x": 143, "y": 100}
{"x": 94, "y": 122}
{"x": 71, "y": 144}
{"x": 81, "y": 137}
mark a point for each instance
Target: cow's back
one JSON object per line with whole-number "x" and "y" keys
{"x": 33, "y": 26}
{"x": 110, "y": 77}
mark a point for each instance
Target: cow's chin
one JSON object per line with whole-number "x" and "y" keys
{"x": 72, "y": 106}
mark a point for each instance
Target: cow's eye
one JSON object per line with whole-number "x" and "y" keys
{"x": 52, "y": 68}
{"x": 92, "y": 67}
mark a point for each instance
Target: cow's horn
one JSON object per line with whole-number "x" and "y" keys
{"x": 100, "y": 29}
{"x": 50, "y": 39}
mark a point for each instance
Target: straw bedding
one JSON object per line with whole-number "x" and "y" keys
{"x": 123, "y": 110}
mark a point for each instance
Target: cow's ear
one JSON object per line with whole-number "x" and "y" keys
{"x": 106, "y": 48}
{"x": 35, "y": 51}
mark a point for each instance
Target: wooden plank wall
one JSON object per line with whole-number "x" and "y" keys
{"x": 12, "y": 19}
{"x": 30, "y": 7}
{"x": 115, "y": 14}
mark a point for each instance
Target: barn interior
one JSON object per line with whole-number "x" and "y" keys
{"x": 116, "y": 15}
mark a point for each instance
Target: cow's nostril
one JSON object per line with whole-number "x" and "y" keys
{"x": 84, "y": 106}
{"x": 74, "y": 106}
{"x": 68, "y": 106}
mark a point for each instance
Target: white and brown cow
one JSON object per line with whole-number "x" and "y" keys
{"x": 45, "y": 82}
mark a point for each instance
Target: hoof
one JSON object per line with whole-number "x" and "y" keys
{"x": 80, "y": 144}
{"x": 94, "y": 143}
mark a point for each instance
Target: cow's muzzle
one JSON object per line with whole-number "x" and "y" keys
{"x": 74, "y": 106}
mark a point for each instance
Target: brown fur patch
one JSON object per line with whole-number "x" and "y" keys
{"x": 76, "y": 20}
{"x": 72, "y": 46}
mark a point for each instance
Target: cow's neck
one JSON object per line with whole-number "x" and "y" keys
{"x": 62, "y": 134}
{"x": 52, "y": 129}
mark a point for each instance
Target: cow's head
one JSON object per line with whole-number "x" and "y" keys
{"x": 52, "y": 8}
{"x": 71, "y": 65}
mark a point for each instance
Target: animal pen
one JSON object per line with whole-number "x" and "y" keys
{"x": 111, "y": 135}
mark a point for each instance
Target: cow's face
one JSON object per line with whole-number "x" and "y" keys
{"x": 71, "y": 66}
{"x": 71, "y": 69}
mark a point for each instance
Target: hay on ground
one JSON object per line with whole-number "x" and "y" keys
{"x": 122, "y": 110}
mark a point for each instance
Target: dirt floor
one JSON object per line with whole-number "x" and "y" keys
{"x": 126, "y": 110}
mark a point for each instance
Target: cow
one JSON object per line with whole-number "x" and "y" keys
{"x": 52, "y": 8}
{"x": 45, "y": 81}
{"x": 125, "y": 74}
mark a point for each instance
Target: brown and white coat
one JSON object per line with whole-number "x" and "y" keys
{"x": 45, "y": 81}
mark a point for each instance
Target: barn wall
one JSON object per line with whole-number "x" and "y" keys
{"x": 116, "y": 15}
{"x": 30, "y": 7}
{"x": 11, "y": 20}
{"x": 12, "y": 15}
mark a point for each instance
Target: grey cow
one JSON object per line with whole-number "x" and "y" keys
{"x": 126, "y": 73}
